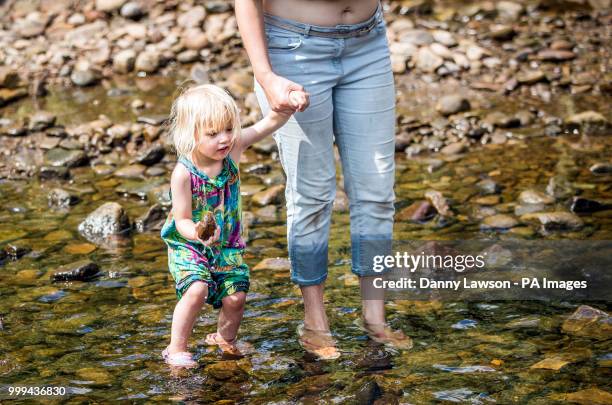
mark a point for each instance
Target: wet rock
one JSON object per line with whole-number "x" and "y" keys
{"x": 590, "y": 322}
{"x": 84, "y": 78}
{"x": 558, "y": 220}
{"x": 226, "y": 371}
{"x": 589, "y": 396}
{"x": 79, "y": 248}
{"x": 50, "y": 172}
{"x": 267, "y": 213}
{"x": 153, "y": 219}
{"x": 9, "y": 95}
{"x": 454, "y": 148}
{"x": 9, "y": 78}
{"x": 132, "y": 10}
{"x": 452, "y": 104}
{"x": 601, "y": 168}
{"x": 123, "y": 62}
{"x": 508, "y": 10}
{"x": 418, "y": 211}
{"x": 152, "y": 155}
{"x": 154, "y": 120}
{"x": 16, "y": 250}
{"x": 552, "y": 363}
{"x": 107, "y": 220}
{"x": 584, "y": 205}
{"x": 488, "y": 186}
{"x": 552, "y": 55}
{"x": 499, "y": 221}
{"x": 587, "y": 117}
{"x": 427, "y": 60}
{"x": 147, "y": 61}
{"x": 109, "y": 5}
{"x": 535, "y": 197}
{"x": 83, "y": 270}
{"x": 95, "y": 375}
{"x": 439, "y": 202}
{"x": 42, "y": 120}
{"x": 59, "y": 157}
{"x": 258, "y": 168}
{"x": 487, "y": 200}
{"x": 559, "y": 187}
{"x": 274, "y": 264}
{"x": 368, "y": 392}
{"x": 160, "y": 194}
{"x": 60, "y": 198}
{"x": 523, "y": 209}
{"x": 273, "y": 195}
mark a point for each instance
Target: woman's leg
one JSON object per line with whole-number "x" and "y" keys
{"x": 185, "y": 314}
{"x": 364, "y": 123}
{"x": 306, "y": 151}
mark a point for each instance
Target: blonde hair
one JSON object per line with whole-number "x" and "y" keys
{"x": 200, "y": 111}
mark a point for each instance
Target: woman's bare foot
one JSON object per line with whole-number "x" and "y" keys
{"x": 318, "y": 343}
{"x": 382, "y": 333}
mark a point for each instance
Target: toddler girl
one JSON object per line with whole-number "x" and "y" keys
{"x": 203, "y": 229}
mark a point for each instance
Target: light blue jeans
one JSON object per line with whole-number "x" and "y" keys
{"x": 352, "y": 103}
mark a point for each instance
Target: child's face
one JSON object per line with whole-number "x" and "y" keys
{"x": 215, "y": 145}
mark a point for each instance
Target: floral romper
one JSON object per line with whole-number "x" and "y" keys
{"x": 220, "y": 265}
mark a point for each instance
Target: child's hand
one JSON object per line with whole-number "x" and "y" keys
{"x": 215, "y": 237}
{"x": 300, "y": 100}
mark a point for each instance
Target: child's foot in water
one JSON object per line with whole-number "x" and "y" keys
{"x": 227, "y": 346}
{"x": 179, "y": 359}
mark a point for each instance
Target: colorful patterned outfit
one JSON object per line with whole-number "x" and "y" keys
{"x": 220, "y": 265}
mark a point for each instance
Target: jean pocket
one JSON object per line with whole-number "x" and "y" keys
{"x": 277, "y": 44}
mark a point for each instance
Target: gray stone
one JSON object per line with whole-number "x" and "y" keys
{"x": 65, "y": 158}
{"x": 123, "y": 62}
{"x": 60, "y": 198}
{"x": 601, "y": 168}
{"x": 42, "y": 120}
{"x": 272, "y": 195}
{"x": 153, "y": 219}
{"x": 590, "y": 322}
{"x": 132, "y": 10}
{"x": 535, "y": 197}
{"x": 558, "y": 220}
{"x": 499, "y": 221}
{"x": 151, "y": 155}
{"x": 108, "y": 220}
{"x": 439, "y": 202}
{"x": 147, "y": 61}
{"x": 84, "y": 78}
{"x": 452, "y": 104}
{"x": 427, "y": 60}
{"x": 488, "y": 186}
{"x": 51, "y": 172}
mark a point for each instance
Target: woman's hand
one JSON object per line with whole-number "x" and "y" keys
{"x": 277, "y": 90}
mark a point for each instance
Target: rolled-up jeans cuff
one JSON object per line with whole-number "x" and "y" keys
{"x": 364, "y": 250}
{"x": 308, "y": 263}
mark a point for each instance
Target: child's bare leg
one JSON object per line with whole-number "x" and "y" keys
{"x": 230, "y": 315}
{"x": 185, "y": 314}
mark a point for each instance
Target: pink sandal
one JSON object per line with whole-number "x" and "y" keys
{"x": 179, "y": 359}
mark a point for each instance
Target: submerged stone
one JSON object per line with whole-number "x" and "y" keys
{"x": 83, "y": 270}
{"x": 107, "y": 220}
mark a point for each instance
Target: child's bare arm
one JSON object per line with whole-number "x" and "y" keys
{"x": 270, "y": 123}
{"x": 180, "y": 187}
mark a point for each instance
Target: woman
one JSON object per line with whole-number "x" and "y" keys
{"x": 338, "y": 51}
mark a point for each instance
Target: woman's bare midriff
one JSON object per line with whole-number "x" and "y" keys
{"x": 326, "y": 13}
